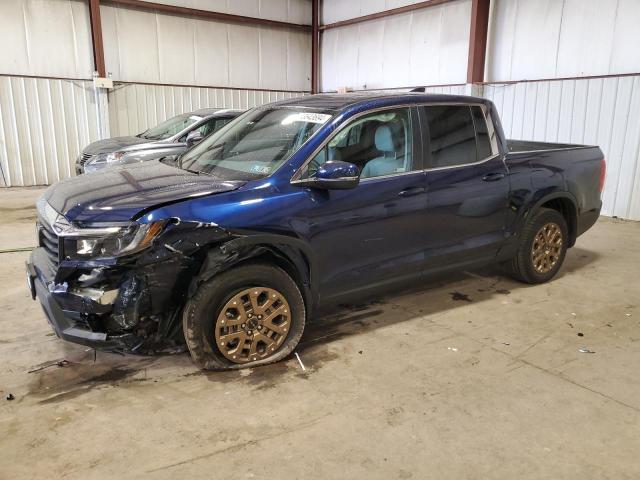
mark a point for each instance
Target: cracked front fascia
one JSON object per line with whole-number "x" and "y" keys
{"x": 154, "y": 284}
{"x": 115, "y": 295}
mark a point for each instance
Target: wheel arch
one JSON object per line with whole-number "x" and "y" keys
{"x": 565, "y": 204}
{"x": 290, "y": 254}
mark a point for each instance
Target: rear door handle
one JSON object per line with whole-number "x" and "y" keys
{"x": 492, "y": 177}
{"x": 409, "y": 192}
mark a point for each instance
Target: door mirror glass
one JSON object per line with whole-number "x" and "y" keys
{"x": 333, "y": 175}
{"x": 194, "y": 138}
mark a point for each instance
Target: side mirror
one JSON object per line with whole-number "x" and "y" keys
{"x": 193, "y": 138}
{"x": 333, "y": 175}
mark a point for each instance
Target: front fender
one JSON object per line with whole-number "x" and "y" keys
{"x": 291, "y": 254}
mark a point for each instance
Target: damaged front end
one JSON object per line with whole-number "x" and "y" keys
{"x": 118, "y": 287}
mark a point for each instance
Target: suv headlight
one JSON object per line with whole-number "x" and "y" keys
{"x": 114, "y": 241}
{"x": 112, "y": 157}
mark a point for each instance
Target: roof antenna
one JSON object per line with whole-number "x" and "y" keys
{"x": 417, "y": 89}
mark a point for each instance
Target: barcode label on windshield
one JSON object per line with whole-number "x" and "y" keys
{"x": 314, "y": 117}
{"x": 306, "y": 117}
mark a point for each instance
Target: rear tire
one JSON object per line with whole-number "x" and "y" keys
{"x": 248, "y": 316}
{"x": 542, "y": 249}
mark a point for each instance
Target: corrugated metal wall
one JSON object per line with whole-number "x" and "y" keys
{"x": 338, "y": 10}
{"x": 133, "y": 107}
{"x": 562, "y": 38}
{"x": 149, "y": 47}
{"x": 599, "y": 111}
{"x": 425, "y": 47}
{"x": 43, "y": 125}
{"x": 294, "y": 11}
{"x": 48, "y": 38}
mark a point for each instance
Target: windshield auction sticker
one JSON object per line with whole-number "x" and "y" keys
{"x": 306, "y": 117}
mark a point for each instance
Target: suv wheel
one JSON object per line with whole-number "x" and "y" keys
{"x": 542, "y": 249}
{"x": 248, "y": 316}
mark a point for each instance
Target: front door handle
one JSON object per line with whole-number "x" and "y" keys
{"x": 409, "y": 192}
{"x": 492, "y": 177}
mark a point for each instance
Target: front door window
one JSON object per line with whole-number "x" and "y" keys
{"x": 379, "y": 144}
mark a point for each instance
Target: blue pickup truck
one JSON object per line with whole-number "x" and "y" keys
{"x": 231, "y": 247}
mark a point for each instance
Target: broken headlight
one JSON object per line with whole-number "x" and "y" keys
{"x": 100, "y": 242}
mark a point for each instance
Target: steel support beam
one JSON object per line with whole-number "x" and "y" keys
{"x": 206, "y": 14}
{"x": 315, "y": 46}
{"x": 96, "y": 38}
{"x": 386, "y": 13}
{"x": 478, "y": 40}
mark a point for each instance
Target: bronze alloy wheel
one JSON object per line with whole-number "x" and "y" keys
{"x": 252, "y": 325}
{"x": 546, "y": 248}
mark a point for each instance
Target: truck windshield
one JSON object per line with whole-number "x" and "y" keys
{"x": 170, "y": 127}
{"x": 255, "y": 144}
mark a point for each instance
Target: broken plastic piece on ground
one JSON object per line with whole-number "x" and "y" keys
{"x": 58, "y": 363}
{"x": 580, "y": 334}
{"x": 586, "y": 350}
{"x": 300, "y": 362}
{"x": 453, "y": 349}
{"x": 10, "y": 397}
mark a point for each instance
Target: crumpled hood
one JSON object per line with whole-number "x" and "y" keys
{"x": 119, "y": 194}
{"x": 119, "y": 144}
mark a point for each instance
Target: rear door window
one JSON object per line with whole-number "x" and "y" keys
{"x": 452, "y": 136}
{"x": 458, "y": 135}
{"x": 485, "y": 136}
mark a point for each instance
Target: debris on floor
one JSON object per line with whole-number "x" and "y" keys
{"x": 56, "y": 363}
{"x": 453, "y": 349}
{"x": 300, "y": 362}
{"x": 586, "y": 350}
{"x": 462, "y": 297}
{"x": 10, "y": 397}
{"x": 580, "y": 334}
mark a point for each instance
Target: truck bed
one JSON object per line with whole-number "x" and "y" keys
{"x": 518, "y": 146}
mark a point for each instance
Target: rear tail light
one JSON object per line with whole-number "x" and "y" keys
{"x": 603, "y": 174}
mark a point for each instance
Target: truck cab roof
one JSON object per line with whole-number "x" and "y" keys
{"x": 337, "y": 102}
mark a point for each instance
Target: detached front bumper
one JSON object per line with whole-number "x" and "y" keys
{"x": 65, "y": 311}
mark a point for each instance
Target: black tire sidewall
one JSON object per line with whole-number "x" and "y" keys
{"x": 201, "y": 313}
{"x": 540, "y": 219}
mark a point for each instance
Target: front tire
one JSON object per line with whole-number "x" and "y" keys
{"x": 247, "y": 316}
{"x": 542, "y": 249}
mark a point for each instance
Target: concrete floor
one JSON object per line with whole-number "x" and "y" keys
{"x": 418, "y": 385}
